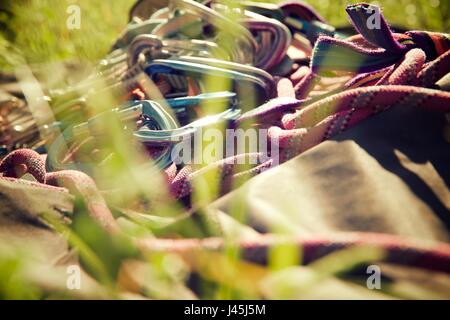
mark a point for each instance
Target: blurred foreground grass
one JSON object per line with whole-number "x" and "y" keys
{"x": 36, "y": 32}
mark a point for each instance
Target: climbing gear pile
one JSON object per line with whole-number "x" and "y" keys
{"x": 284, "y": 69}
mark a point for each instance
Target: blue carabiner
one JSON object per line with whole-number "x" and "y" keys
{"x": 159, "y": 127}
{"x": 243, "y": 84}
{"x": 174, "y": 136}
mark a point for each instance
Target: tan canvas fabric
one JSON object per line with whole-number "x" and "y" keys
{"x": 388, "y": 175}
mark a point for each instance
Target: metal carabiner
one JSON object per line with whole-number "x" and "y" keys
{"x": 262, "y": 75}
{"x": 155, "y": 48}
{"x": 135, "y": 29}
{"x": 273, "y": 37}
{"x": 152, "y": 110}
{"x": 243, "y": 83}
{"x": 158, "y": 127}
{"x": 174, "y": 136}
{"x": 192, "y": 11}
{"x": 181, "y": 104}
{"x": 160, "y": 120}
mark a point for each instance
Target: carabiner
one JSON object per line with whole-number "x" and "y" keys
{"x": 158, "y": 127}
{"x": 192, "y": 11}
{"x": 174, "y": 136}
{"x": 242, "y": 82}
{"x": 179, "y": 105}
{"x": 135, "y": 29}
{"x": 155, "y": 48}
{"x": 157, "y": 118}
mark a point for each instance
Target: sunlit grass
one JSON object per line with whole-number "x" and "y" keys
{"x": 41, "y": 35}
